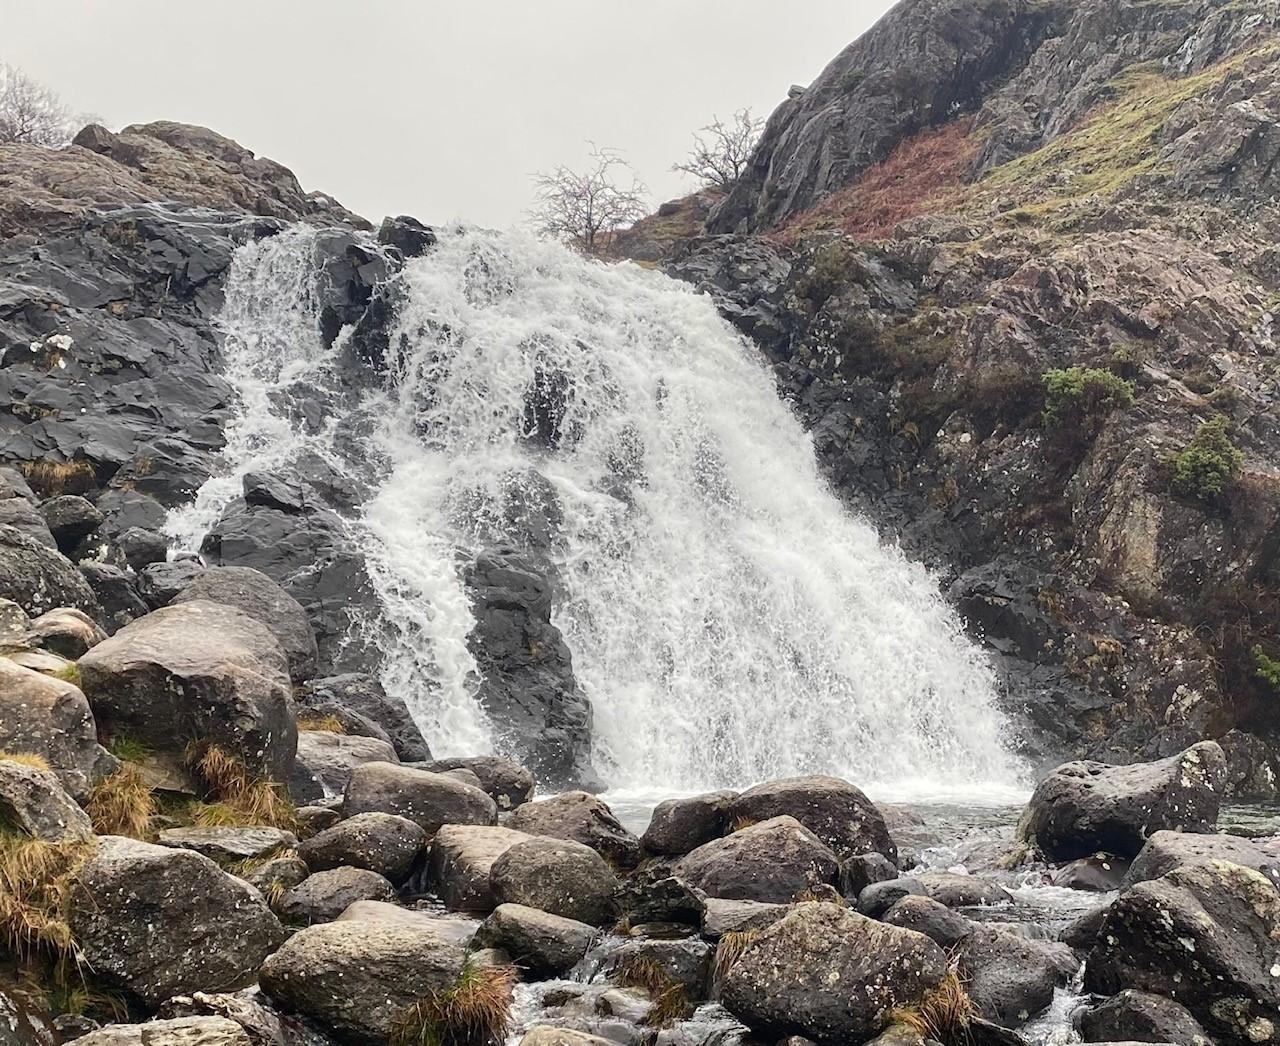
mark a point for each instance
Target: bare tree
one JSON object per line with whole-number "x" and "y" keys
{"x": 721, "y": 150}
{"x": 31, "y": 112}
{"x": 584, "y": 208}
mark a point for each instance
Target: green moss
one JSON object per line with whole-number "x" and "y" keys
{"x": 1078, "y": 396}
{"x": 1205, "y": 466}
{"x": 129, "y": 750}
{"x": 830, "y": 270}
{"x": 1265, "y": 668}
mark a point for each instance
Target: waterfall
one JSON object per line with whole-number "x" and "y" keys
{"x": 729, "y": 619}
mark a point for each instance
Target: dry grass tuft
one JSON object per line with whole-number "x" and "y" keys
{"x": 740, "y": 822}
{"x": 474, "y": 1011}
{"x": 59, "y": 477}
{"x": 122, "y": 804}
{"x": 240, "y": 798}
{"x": 670, "y": 1003}
{"x": 732, "y": 947}
{"x": 329, "y": 724}
{"x": 39, "y": 762}
{"x": 36, "y": 877}
{"x": 944, "y": 1013}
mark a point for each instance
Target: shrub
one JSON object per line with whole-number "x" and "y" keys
{"x": 1203, "y": 468}
{"x": 831, "y": 268}
{"x": 473, "y": 1011}
{"x": 1078, "y": 397}
{"x": 1265, "y": 668}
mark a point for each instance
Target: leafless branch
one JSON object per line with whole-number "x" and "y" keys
{"x": 720, "y": 151}
{"x": 30, "y": 112}
{"x": 583, "y": 208}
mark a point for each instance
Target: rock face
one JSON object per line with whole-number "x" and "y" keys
{"x": 834, "y": 810}
{"x": 1204, "y": 936}
{"x": 782, "y": 983}
{"x": 257, "y": 595}
{"x": 1085, "y": 808}
{"x": 528, "y": 687}
{"x": 159, "y": 921}
{"x": 224, "y": 675}
{"x": 430, "y": 800}
{"x": 771, "y": 861}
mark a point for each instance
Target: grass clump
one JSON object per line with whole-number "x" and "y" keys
{"x": 31, "y": 759}
{"x": 943, "y": 1014}
{"x": 69, "y": 673}
{"x": 122, "y": 804}
{"x": 36, "y": 877}
{"x": 1205, "y": 466}
{"x": 670, "y": 1003}
{"x": 732, "y": 947}
{"x": 129, "y": 750}
{"x": 473, "y": 1011}
{"x": 329, "y": 724}
{"x": 240, "y": 798}
{"x": 1078, "y": 398}
{"x": 831, "y": 269}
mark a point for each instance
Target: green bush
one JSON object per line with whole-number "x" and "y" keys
{"x": 1076, "y": 396}
{"x": 830, "y": 270}
{"x": 1267, "y": 669}
{"x": 1208, "y": 462}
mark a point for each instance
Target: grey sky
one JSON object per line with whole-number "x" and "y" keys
{"x": 435, "y": 109}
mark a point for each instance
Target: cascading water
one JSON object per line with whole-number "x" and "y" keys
{"x": 729, "y": 620}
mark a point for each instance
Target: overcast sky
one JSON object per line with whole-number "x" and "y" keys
{"x": 437, "y": 109}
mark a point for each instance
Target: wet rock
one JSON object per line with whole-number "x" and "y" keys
{"x": 558, "y": 876}
{"x": 323, "y": 896}
{"x": 1133, "y": 1016}
{"x": 1084, "y": 808}
{"x": 462, "y": 858}
{"x": 180, "y": 1031}
{"x": 878, "y": 898}
{"x": 680, "y": 825}
{"x": 962, "y": 891}
{"x": 38, "y": 578}
{"x": 357, "y": 976}
{"x": 782, "y": 983}
{"x": 1010, "y": 977}
{"x": 141, "y": 547}
{"x": 1098, "y": 874}
{"x": 527, "y": 682}
{"x": 583, "y": 818}
{"x": 507, "y": 782}
{"x": 32, "y": 800}
{"x": 117, "y": 592}
{"x": 324, "y": 762}
{"x": 384, "y": 717}
{"x": 723, "y": 916}
{"x": 1202, "y": 935}
{"x": 684, "y": 961}
{"x": 69, "y": 518}
{"x": 1164, "y": 851}
{"x": 430, "y": 800}
{"x": 66, "y": 632}
{"x": 158, "y": 583}
{"x": 23, "y": 516}
{"x": 252, "y": 592}
{"x": 929, "y": 917}
{"x": 158, "y": 921}
{"x": 382, "y": 843}
{"x": 774, "y": 860}
{"x": 50, "y": 718}
{"x": 545, "y": 945}
{"x": 857, "y": 873}
{"x": 227, "y": 843}
{"x": 407, "y": 235}
{"x": 226, "y": 675}
{"x": 835, "y": 811}
{"x": 1082, "y": 931}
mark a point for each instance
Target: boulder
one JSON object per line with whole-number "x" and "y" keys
{"x": 771, "y": 861}
{"x": 1164, "y": 851}
{"x": 507, "y": 782}
{"x": 1086, "y": 807}
{"x": 1100, "y": 874}
{"x": 929, "y": 917}
{"x": 877, "y": 898}
{"x": 69, "y": 518}
{"x": 430, "y": 800}
{"x": 462, "y": 858}
{"x": 158, "y": 921}
{"x": 857, "y": 873}
{"x": 407, "y": 235}
{"x": 1134, "y": 1016}
{"x": 38, "y": 577}
{"x": 117, "y": 592}
{"x": 65, "y": 631}
{"x": 1009, "y": 977}
{"x": 382, "y": 843}
{"x": 680, "y": 825}
{"x": 685, "y": 961}
{"x": 540, "y": 943}
{"x": 224, "y": 676}
{"x": 838, "y": 813}
{"x": 373, "y": 713}
{"x": 158, "y": 583}
{"x": 558, "y": 876}
{"x": 782, "y": 984}
{"x": 50, "y": 718}
{"x": 549, "y": 1035}
{"x": 324, "y": 761}
{"x": 652, "y": 894}
{"x": 180, "y": 1031}
{"x": 20, "y": 514}
{"x": 252, "y": 592}
{"x": 34, "y": 801}
{"x": 323, "y": 896}
{"x": 314, "y": 819}
{"x": 142, "y": 547}
{"x": 583, "y": 818}
{"x": 355, "y": 977}
{"x": 226, "y": 843}
{"x": 13, "y": 623}
{"x": 1082, "y": 931}
{"x": 962, "y": 891}
{"x": 721, "y": 916}
{"x": 275, "y": 875}
{"x": 1203, "y": 935}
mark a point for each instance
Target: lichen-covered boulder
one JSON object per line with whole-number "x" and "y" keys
{"x": 583, "y": 818}
{"x": 33, "y": 800}
{"x": 429, "y": 800}
{"x": 1164, "y": 851}
{"x": 158, "y": 921}
{"x": 558, "y": 876}
{"x": 834, "y": 810}
{"x": 543, "y": 944}
{"x": 771, "y": 861}
{"x": 1133, "y": 1016}
{"x": 462, "y": 857}
{"x": 323, "y": 896}
{"x": 382, "y": 843}
{"x": 830, "y": 975}
{"x": 199, "y": 672}
{"x": 1085, "y": 807}
{"x": 38, "y": 577}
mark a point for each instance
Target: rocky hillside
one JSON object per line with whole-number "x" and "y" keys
{"x": 1015, "y": 265}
